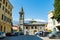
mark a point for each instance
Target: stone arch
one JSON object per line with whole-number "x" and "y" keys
{"x": 35, "y": 31}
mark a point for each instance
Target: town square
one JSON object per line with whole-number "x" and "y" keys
{"x": 29, "y": 19}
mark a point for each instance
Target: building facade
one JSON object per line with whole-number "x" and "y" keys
{"x": 15, "y": 28}
{"x": 32, "y": 27}
{"x": 51, "y": 22}
{"x": 5, "y": 16}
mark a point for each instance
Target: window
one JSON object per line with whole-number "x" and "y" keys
{"x": 21, "y": 15}
{"x": 2, "y": 16}
{"x": 6, "y": 4}
{"x": 3, "y": 1}
{"x": 0, "y": 5}
{"x": 35, "y": 27}
{"x": 26, "y": 27}
{"x": 6, "y": 10}
{"x": 0, "y": 0}
{"x": 6, "y": 19}
{"x": 32, "y": 27}
{"x": 11, "y": 14}
{"x": 3, "y": 8}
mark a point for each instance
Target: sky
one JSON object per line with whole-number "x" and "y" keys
{"x": 33, "y": 9}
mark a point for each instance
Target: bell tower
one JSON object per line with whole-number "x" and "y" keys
{"x": 21, "y": 19}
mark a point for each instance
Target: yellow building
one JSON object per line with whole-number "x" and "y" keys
{"x": 5, "y": 16}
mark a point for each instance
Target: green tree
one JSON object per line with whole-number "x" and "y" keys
{"x": 57, "y": 10}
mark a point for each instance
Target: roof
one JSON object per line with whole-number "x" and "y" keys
{"x": 37, "y": 23}
{"x": 34, "y": 22}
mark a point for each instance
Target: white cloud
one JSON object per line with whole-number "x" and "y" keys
{"x": 28, "y": 19}
{"x": 15, "y": 21}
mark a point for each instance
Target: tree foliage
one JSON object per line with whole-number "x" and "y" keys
{"x": 57, "y": 10}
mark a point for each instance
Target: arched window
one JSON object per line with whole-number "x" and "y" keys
{"x": 35, "y": 27}
{"x": 32, "y": 27}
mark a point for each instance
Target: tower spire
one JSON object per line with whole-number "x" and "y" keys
{"x": 21, "y": 11}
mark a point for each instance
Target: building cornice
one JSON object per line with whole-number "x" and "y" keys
{"x": 10, "y": 3}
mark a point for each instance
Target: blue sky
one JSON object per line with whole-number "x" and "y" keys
{"x": 34, "y": 9}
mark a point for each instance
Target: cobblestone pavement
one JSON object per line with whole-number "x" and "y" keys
{"x": 22, "y": 37}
